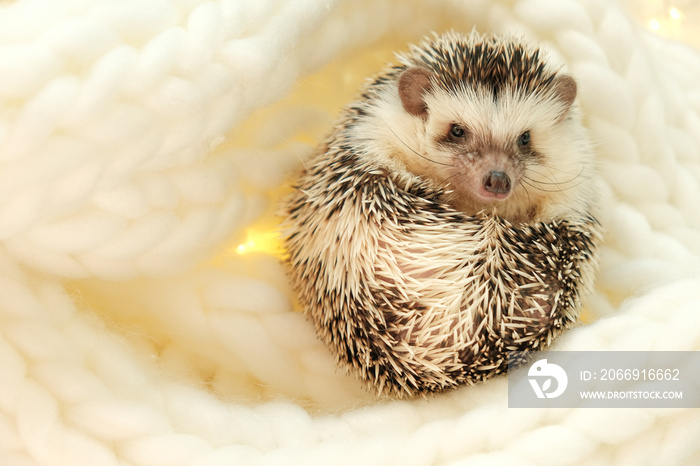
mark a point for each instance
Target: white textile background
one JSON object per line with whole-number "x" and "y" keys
{"x": 142, "y": 141}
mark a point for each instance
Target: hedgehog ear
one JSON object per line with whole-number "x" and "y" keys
{"x": 413, "y": 84}
{"x": 565, "y": 92}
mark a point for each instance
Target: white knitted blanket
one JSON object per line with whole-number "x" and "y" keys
{"x": 144, "y": 318}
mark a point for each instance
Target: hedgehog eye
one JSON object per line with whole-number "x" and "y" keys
{"x": 457, "y": 132}
{"x": 524, "y": 139}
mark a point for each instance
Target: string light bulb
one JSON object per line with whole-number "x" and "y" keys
{"x": 664, "y": 20}
{"x": 261, "y": 240}
{"x": 674, "y": 13}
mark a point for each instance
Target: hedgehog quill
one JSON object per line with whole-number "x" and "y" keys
{"x": 448, "y": 217}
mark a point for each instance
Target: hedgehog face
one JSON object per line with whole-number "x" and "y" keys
{"x": 493, "y": 148}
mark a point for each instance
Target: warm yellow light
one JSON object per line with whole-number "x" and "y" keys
{"x": 654, "y": 24}
{"x": 674, "y": 13}
{"x": 261, "y": 240}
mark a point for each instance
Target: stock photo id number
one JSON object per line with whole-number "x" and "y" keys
{"x": 604, "y": 379}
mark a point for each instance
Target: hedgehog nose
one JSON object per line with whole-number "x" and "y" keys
{"x": 497, "y": 182}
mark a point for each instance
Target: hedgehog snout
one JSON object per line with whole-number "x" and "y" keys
{"x": 497, "y": 183}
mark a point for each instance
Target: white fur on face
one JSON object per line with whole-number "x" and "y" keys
{"x": 554, "y": 183}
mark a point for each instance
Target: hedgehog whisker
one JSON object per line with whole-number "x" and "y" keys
{"x": 449, "y": 178}
{"x": 552, "y": 176}
{"x": 412, "y": 149}
{"x": 554, "y": 182}
{"x": 535, "y": 185}
{"x": 529, "y": 182}
{"x": 527, "y": 192}
{"x": 562, "y": 186}
{"x": 580, "y": 172}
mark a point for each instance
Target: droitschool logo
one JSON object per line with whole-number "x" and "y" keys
{"x": 544, "y": 372}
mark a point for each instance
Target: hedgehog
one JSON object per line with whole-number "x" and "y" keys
{"x": 447, "y": 219}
